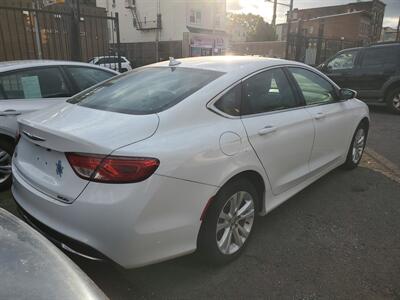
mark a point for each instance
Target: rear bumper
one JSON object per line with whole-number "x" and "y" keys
{"x": 62, "y": 241}
{"x": 132, "y": 224}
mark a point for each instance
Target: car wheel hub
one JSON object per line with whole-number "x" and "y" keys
{"x": 396, "y": 101}
{"x": 5, "y": 165}
{"x": 358, "y": 145}
{"x": 235, "y": 222}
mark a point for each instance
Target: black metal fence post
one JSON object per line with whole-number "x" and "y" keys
{"x": 118, "y": 41}
{"x": 75, "y": 32}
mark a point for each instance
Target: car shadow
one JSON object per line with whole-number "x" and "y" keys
{"x": 330, "y": 239}
{"x": 380, "y": 109}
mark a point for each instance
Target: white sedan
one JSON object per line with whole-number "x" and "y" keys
{"x": 182, "y": 155}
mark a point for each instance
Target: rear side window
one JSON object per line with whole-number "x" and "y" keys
{"x": 107, "y": 60}
{"x": 231, "y": 101}
{"x": 110, "y": 60}
{"x": 375, "y": 57}
{"x": 146, "y": 91}
{"x": 33, "y": 83}
{"x": 267, "y": 91}
{"x": 86, "y": 77}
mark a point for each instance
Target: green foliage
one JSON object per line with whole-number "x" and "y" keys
{"x": 257, "y": 29}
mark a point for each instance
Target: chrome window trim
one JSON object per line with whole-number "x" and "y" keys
{"x": 210, "y": 105}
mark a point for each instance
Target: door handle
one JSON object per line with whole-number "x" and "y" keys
{"x": 9, "y": 112}
{"x": 320, "y": 116}
{"x": 267, "y": 129}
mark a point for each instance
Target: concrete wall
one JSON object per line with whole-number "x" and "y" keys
{"x": 267, "y": 49}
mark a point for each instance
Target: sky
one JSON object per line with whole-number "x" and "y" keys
{"x": 264, "y": 9}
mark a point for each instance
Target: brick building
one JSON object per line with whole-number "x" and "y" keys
{"x": 358, "y": 21}
{"x": 351, "y": 26}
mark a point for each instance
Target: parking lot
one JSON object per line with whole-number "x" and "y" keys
{"x": 339, "y": 238}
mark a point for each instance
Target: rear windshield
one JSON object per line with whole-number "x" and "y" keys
{"x": 145, "y": 91}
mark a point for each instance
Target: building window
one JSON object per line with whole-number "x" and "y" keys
{"x": 217, "y": 21}
{"x": 198, "y": 17}
{"x": 192, "y": 17}
{"x": 195, "y": 17}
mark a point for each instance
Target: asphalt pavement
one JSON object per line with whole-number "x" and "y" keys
{"x": 337, "y": 239}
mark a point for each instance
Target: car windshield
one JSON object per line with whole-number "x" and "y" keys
{"x": 145, "y": 91}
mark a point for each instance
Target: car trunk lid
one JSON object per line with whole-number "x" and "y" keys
{"x": 40, "y": 156}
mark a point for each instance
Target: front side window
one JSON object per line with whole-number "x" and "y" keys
{"x": 343, "y": 61}
{"x": 267, "y": 91}
{"x": 33, "y": 83}
{"x": 146, "y": 91}
{"x": 315, "y": 89}
{"x": 86, "y": 77}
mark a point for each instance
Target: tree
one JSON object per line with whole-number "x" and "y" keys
{"x": 257, "y": 29}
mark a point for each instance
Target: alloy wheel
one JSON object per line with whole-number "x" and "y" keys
{"x": 5, "y": 165}
{"x": 235, "y": 222}
{"x": 396, "y": 101}
{"x": 358, "y": 145}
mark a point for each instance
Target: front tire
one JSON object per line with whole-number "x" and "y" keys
{"x": 6, "y": 153}
{"x": 393, "y": 100}
{"x": 357, "y": 146}
{"x": 229, "y": 222}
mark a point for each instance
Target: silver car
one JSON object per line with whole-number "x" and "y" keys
{"x": 27, "y": 86}
{"x": 33, "y": 268}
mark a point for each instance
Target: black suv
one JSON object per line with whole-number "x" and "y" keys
{"x": 374, "y": 72}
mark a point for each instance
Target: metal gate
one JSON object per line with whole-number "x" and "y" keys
{"x": 315, "y": 50}
{"x": 56, "y": 33}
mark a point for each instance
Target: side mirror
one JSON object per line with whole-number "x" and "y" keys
{"x": 347, "y": 94}
{"x": 328, "y": 68}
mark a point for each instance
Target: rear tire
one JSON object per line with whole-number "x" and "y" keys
{"x": 357, "y": 146}
{"x": 393, "y": 100}
{"x": 229, "y": 222}
{"x": 6, "y": 153}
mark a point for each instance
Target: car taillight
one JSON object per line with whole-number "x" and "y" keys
{"x": 112, "y": 169}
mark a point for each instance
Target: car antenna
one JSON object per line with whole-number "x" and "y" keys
{"x": 173, "y": 62}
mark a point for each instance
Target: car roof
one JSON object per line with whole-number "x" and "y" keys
{"x": 227, "y": 64}
{"x": 377, "y": 45}
{"x": 385, "y": 44}
{"x": 22, "y": 64}
{"x": 351, "y": 49}
{"x": 106, "y": 56}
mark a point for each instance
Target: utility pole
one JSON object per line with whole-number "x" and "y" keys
{"x": 274, "y": 14}
{"x": 398, "y": 32}
{"x": 289, "y": 19}
{"x": 275, "y": 2}
{"x": 288, "y": 29}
